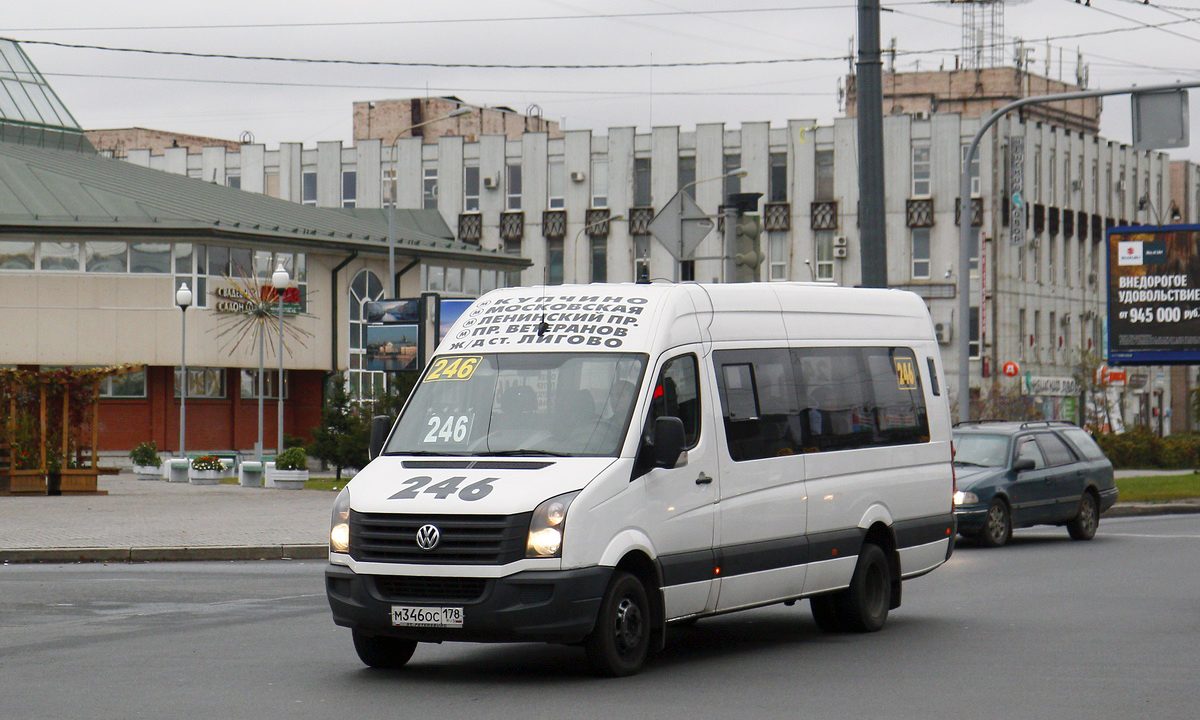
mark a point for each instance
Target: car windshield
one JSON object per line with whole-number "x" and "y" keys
{"x": 982, "y": 450}
{"x": 520, "y": 404}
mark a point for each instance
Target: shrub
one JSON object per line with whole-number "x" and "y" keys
{"x": 208, "y": 462}
{"x": 145, "y": 454}
{"x": 1141, "y": 448}
{"x": 292, "y": 459}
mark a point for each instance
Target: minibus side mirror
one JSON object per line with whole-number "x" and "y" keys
{"x": 1022, "y": 464}
{"x": 668, "y": 441}
{"x": 380, "y": 425}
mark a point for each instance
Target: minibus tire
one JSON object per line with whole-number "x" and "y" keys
{"x": 385, "y": 653}
{"x": 827, "y": 613}
{"x": 621, "y": 639}
{"x": 864, "y": 605}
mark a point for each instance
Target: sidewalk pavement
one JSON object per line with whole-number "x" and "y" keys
{"x": 146, "y": 520}
{"x": 142, "y": 520}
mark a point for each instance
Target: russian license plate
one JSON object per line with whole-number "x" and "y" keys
{"x": 414, "y": 616}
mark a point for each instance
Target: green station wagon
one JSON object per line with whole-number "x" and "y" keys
{"x": 1020, "y": 474}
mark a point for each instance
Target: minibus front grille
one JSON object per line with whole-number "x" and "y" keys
{"x": 398, "y": 588}
{"x": 462, "y": 539}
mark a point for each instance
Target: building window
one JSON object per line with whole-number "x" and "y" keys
{"x": 641, "y": 257}
{"x": 128, "y": 385}
{"x": 233, "y": 181}
{"x": 641, "y": 183}
{"x": 824, "y": 254}
{"x": 599, "y": 183}
{"x": 1051, "y": 252}
{"x": 1052, "y": 330}
{"x": 1053, "y": 178}
{"x": 973, "y": 337}
{"x": 1035, "y": 261}
{"x": 308, "y": 188}
{"x": 1022, "y": 332}
{"x": 687, "y": 271}
{"x": 556, "y": 185}
{"x": 920, "y": 253}
{"x": 777, "y": 177}
{"x": 471, "y": 188}
{"x": 512, "y": 187}
{"x": 18, "y": 254}
{"x": 55, "y": 255}
{"x": 554, "y": 261}
{"x": 974, "y": 248}
{"x": 429, "y": 188}
{"x": 777, "y": 256}
{"x": 733, "y": 183}
{"x": 922, "y": 168}
{"x": 387, "y": 184}
{"x": 975, "y": 184}
{"x": 1036, "y": 192}
{"x": 600, "y": 258}
{"x": 366, "y": 287}
{"x": 203, "y": 382}
{"x": 147, "y": 257}
{"x": 1035, "y": 340}
{"x": 270, "y": 384}
{"x": 106, "y": 256}
{"x": 271, "y": 184}
{"x": 687, "y": 176}
{"x": 823, "y": 175}
{"x": 349, "y": 189}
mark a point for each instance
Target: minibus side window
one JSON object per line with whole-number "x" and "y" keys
{"x": 758, "y": 402}
{"x": 677, "y": 394}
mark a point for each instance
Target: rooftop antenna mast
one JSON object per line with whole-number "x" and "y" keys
{"x": 982, "y": 33}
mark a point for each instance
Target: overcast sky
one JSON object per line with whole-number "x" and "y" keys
{"x": 306, "y": 102}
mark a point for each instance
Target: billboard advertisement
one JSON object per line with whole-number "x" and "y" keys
{"x": 402, "y": 332}
{"x": 1154, "y": 295}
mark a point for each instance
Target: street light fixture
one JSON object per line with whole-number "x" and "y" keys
{"x": 395, "y": 191}
{"x": 183, "y": 298}
{"x": 280, "y": 281}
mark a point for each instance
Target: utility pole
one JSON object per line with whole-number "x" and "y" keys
{"x": 873, "y": 240}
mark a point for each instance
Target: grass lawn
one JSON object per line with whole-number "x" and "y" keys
{"x": 313, "y": 483}
{"x": 1159, "y": 488}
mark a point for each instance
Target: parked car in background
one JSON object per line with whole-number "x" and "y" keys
{"x": 1020, "y": 474}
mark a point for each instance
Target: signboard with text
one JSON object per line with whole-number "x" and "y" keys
{"x": 1154, "y": 295}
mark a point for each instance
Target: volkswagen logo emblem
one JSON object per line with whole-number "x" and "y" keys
{"x": 428, "y": 537}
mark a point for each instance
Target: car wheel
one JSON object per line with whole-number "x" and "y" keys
{"x": 621, "y": 639}
{"x": 1083, "y": 526}
{"x": 997, "y": 528}
{"x": 386, "y": 653}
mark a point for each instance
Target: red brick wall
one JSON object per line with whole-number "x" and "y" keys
{"x": 230, "y": 423}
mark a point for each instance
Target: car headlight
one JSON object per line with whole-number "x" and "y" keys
{"x": 546, "y": 527}
{"x": 965, "y": 498}
{"x": 339, "y": 523}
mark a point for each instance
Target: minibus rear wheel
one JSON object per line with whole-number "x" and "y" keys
{"x": 621, "y": 639}
{"x": 862, "y": 607}
{"x": 386, "y": 653}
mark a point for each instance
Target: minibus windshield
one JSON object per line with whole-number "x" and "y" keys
{"x": 557, "y": 404}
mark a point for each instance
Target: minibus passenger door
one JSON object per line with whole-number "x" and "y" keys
{"x": 681, "y": 500}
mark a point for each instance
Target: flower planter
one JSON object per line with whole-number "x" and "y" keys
{"x": 290, "y": 479}
{"x": 147, "y": 472}
{"x": 205, "y": 477}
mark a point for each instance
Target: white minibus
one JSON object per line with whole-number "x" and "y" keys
{"x": 589, "y": 464}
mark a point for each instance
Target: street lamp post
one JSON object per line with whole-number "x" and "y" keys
{"x": 280, "y": 281}
{"x": 395, "y": 191}
{"x": 183, "y": 298}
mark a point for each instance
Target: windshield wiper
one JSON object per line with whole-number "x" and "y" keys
{"x": 968, "y": 462}
{"x": 523, "y": 451}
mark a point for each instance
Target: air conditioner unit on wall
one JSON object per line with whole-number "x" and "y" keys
{"x": 840, "y": 241}
{"x": 578, "y": 176}
{"x": 944, "y": 332}
{"x": 490, "y": 182}
{"x": 841, "y": 252}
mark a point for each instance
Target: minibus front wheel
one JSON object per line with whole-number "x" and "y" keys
{"x": 621, "y": 639}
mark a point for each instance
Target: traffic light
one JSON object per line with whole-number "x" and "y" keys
{"x": 748, "y": 254}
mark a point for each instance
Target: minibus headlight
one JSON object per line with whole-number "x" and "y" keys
{"x": 965, "y": 498}
{"x": 546, "y": 527}
{"x": 339, "y": 523}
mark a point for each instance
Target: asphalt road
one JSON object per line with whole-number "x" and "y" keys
{"x": 1046, "y": 627}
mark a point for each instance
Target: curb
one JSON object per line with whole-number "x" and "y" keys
{"x": 1146, "y": 509}
{"x": 161, "y": 554}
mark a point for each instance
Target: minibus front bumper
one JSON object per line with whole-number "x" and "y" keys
{"x": 532, "y": 606}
